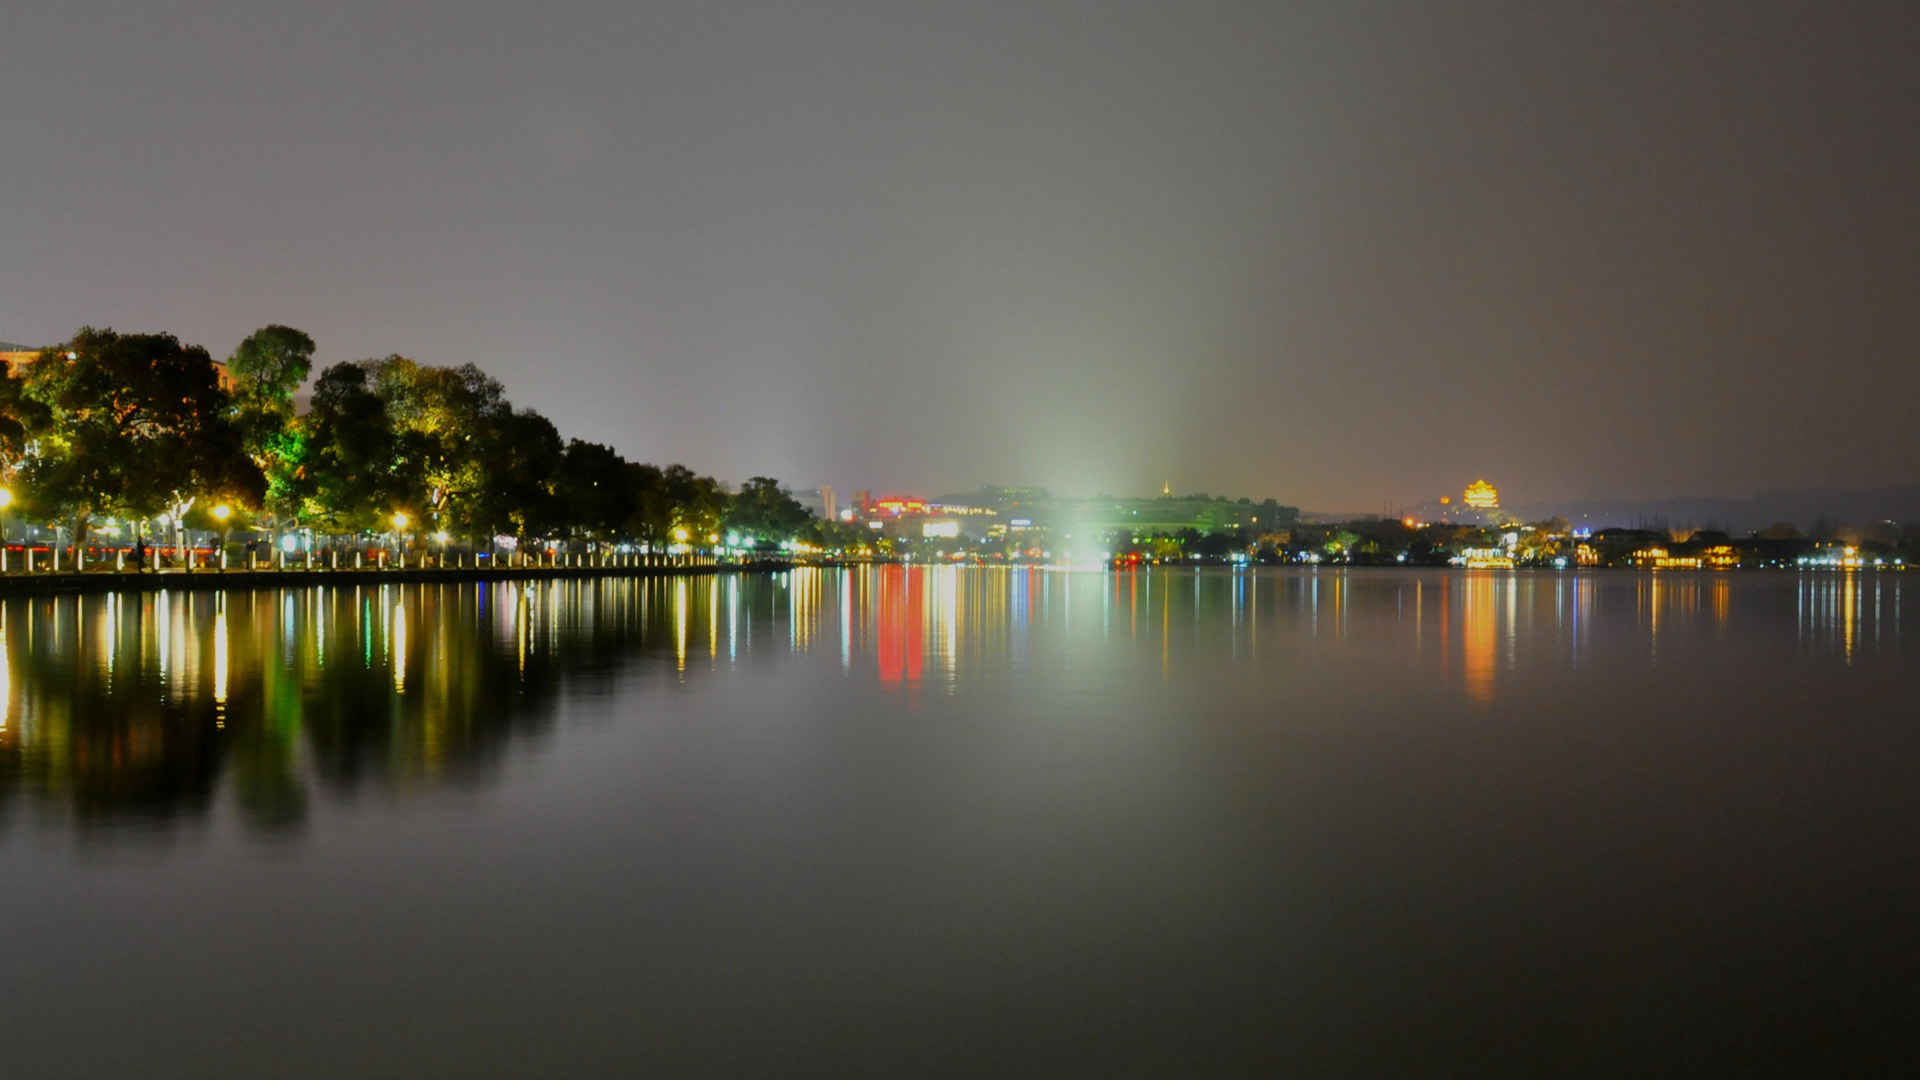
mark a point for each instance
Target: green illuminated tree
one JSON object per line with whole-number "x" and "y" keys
{"x": 266, "y": 369}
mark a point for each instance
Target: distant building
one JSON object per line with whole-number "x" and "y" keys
{"x": 827, "y": 502}
{"x": 17, "y": 360}
{"x": 1481, "y": 496}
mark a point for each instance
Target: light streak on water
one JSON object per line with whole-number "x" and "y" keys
{"x": 399, "y": 624}
{"x": 220, "y": 654}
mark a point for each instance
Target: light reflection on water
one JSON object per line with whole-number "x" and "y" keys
{"x": 88, "y": 676}
{"x": 908, "y": 799}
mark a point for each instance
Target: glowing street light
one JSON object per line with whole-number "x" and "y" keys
{"x": 400, "y": 521}
{"x": 220, "y": 514}
{"x": 6, "y": 498}
{"x": 680, "y": 535}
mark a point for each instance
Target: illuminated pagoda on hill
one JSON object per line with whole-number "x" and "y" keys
{"x": 1481, "y": 496}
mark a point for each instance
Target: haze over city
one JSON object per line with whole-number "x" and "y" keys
{"x": 1343, "y": 256}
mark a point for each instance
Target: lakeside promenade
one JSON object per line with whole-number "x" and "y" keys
{"x": 48, "y": 582}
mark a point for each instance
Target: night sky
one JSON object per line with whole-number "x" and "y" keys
{"x": 1344, "y": 254}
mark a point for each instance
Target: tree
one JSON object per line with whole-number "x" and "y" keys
{"x": 651, "y": 517}
{"x": 695, "y": 503}
{"x": 522, "y": 462}
{"x": 266, "y": 369}
{"x": 135, "y": 423}
{"x": 444, "y": 419}
{"x": 595, "y": 499}
{"x": 351, "y": 479}
{"x": 21, "y": 419}
{"x": 761, "y": 510}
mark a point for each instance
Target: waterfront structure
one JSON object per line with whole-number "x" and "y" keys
{"x": 15, "y": 361}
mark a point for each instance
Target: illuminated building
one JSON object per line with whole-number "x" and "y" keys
{"x": 1493, "y": 558}
{"x": 831, "y": 507}
{"x": 1481, "y": 496}
{"x": 896, "y": 505}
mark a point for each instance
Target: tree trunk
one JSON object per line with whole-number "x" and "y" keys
{"x": 80, "y": 523}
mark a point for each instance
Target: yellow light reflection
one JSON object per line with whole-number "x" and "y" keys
{"x": 520, "y": 624}
{"x": 220, "y": 652}
{"x": 399, "y": 649}
{"x": 1849, "y": 612}
{"x": 680, "y": 625}
{"x": 1478, "y": 636}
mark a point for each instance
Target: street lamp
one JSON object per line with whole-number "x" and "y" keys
{"x": 6, "y": 500}
{"x": 220, "y": 514}
{"x": 680, "y": 536}
{"x": 400, "y": 521}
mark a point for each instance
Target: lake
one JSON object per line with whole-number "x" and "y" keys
{"x": 937, "y": 820}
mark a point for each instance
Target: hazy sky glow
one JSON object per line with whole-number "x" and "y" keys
{"x": 1344, "y": 254}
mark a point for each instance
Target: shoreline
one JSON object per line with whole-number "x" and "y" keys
{"x": 100, "y": 581}
{"x": 70, "y": 583}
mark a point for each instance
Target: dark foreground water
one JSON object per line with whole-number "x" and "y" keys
{"x": 973, "y": 821}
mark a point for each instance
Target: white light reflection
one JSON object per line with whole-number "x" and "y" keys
{"x": 6, "y": 672}
{"x": 733, "y": 618}
{"x": 220, "y": 651}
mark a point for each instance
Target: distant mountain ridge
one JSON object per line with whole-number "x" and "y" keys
{"x": 8, "y": 346}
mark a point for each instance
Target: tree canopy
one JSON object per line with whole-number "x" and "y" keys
{"x": 131, "y": 422}
{"x": 133, "y": 426}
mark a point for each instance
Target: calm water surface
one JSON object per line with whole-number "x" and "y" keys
{"x": 939, "y": 820}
